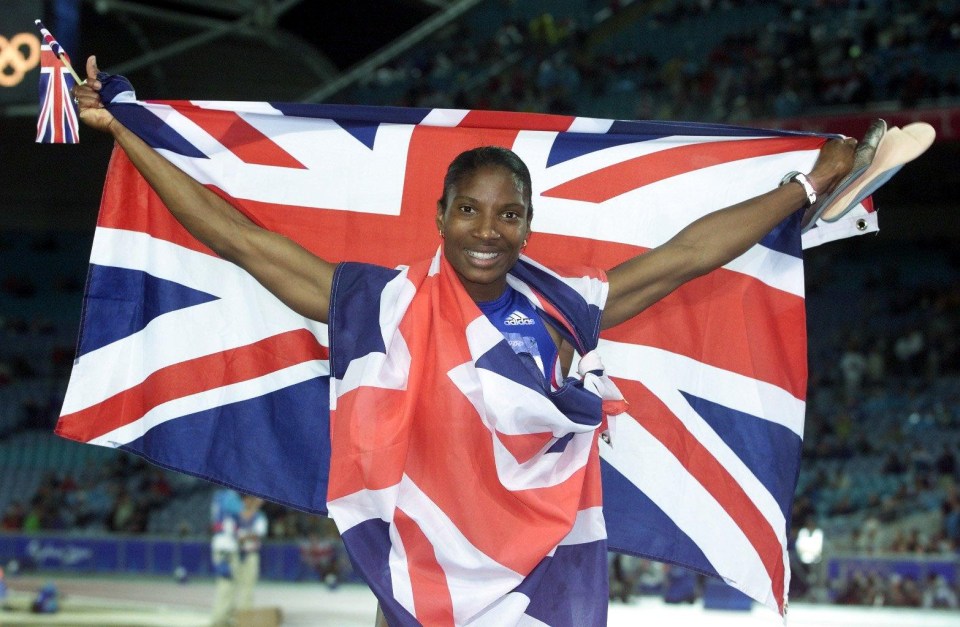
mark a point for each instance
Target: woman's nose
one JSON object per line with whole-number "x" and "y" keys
{"x": 487, "y": 227}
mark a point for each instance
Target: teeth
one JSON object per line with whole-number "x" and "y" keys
{"x": 478, "y": 255}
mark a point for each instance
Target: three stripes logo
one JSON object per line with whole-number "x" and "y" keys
{"x": 517, "y": 318}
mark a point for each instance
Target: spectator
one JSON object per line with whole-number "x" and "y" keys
{"x": 251, "y": 529}
{"x": 937, "y": 593}
{"x": 239, "y": 528}
{"x": 624, "y": 575}
{"x": 853, "y": 364}
{"x": 13, "y": 517}
{"x": 946, "y": 463}
{"x": 225, "y": 551}
{"x": 320, "y": 555}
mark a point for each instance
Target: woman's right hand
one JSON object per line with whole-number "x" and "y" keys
{"x": 87, "y": 96}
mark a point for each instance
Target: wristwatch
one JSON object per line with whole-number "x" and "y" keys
{"x": 804, "y": 180}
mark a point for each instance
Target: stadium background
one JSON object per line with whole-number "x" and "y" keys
{"x": 883, "y": 429}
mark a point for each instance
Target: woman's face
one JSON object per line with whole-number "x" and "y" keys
{"x": 484, "y": 223}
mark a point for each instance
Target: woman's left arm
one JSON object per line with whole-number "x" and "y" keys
{"x": 716, "y": 239}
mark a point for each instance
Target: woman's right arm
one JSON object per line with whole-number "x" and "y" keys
{"x": 300, "y": 279}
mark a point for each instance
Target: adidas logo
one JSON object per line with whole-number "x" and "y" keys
{"x": 517, "y": 319}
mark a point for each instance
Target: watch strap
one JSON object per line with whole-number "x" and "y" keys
{"x": 804, "y": 181}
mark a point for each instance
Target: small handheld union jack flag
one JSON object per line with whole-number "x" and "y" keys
{"x": 57, "y": 120}
{"x": 49, "y": 39}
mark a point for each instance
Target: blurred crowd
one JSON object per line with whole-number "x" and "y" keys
{"x": 786, "y": 59}
{"x": 895, "y": 590}
{"x": 21, "y": 333}
{"x": 117, "y": 497}
{"x": 891, "y": 490}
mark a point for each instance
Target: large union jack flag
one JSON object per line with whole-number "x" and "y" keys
{"x": 186, "y": 360}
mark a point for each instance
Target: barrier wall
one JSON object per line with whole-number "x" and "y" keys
{"x": 281, "y": 560}
{"x": 99, "y": 555}
{"x": 917, "y": 568}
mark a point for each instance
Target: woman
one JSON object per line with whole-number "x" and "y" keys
{"x": 484, "y": 218}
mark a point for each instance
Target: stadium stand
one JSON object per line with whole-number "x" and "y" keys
{"x": 637, "y": 60}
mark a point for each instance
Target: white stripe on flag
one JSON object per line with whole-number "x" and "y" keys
{"x": 505, "y": 612}
{"x": 445, "y": 117}
{"x": 259, "y": 108}
{"x": 858, "y": 222}
{"x": 212, "y": 399}
{"x": 730, "y": 389}
{"x": 322, "y": 183}
{"x": 389, "y": 370}
{"x": 589, "y": 527}
{"x": 649, "y": 216}
{"x": 666, "y": 375}
{"x": 666, "y": 482}
{"x": 535, "y": 148}
{"x": 474, "y": 579}
{"x": 590, "y": 125}
{"x": 592, "y": 289}
{"x": 518, "y": 403}
{"x": 351, "y": 510}
{"x": 244, "y": 313}
{"x": 399, "y": 565}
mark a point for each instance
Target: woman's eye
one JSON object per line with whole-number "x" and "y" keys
{"x": 511, "y": 215}
{"x": 466, "y": 208}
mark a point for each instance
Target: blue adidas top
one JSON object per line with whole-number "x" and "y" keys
{"x": 524, "y": 330}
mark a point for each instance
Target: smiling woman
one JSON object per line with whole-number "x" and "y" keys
{"x": 484, "y": 218}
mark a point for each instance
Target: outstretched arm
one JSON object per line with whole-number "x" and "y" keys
{"x": 296, "y": 276}
{"x": 716, "y": 239}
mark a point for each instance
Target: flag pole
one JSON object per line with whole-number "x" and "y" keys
{"x": 58, "y": 50}
{"x": 69, "y": 67}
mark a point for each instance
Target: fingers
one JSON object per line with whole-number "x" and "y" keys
{"x": 92, "y": 71}
{"x": 839, "y": 148}
{"x": 833, "y": 163}
{"x": 89, "y": 104}
{"x": 86, "y": 94}
{"x": 850, "y": 143}
{"x": 845, "y": 142}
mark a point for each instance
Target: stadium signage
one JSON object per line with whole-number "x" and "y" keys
{"x": 18, "y": 55}
{"x": 49, "y": 554}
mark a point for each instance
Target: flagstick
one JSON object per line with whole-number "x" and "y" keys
{"x": 63, "y": 59}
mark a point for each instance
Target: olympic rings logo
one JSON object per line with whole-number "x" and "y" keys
{"x": 18, "y": 55}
